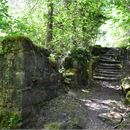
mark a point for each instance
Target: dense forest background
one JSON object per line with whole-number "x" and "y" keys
{"x": 62, "y": 25}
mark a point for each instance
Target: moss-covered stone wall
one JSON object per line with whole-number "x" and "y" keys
{"x": 27, "y": 78}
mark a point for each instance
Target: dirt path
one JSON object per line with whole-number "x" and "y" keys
{"x": 80, "y": 109}
{"x": 107, "y": 97}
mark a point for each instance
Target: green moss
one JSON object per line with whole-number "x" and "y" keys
{"x": 123, "y": 125}
{"x": 12, "y": 43}
{"x": 128, "y": 97}
{"x": 15, "y": 39}
{"x": 120, "y": 66}
{"x": 70, "y": 72}
{"x": 52, "y": 59}
{"x": 52, "y": 126}
{"x": 126, "y": 83}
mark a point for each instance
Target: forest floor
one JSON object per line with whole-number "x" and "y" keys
{"x": 83, "y": 109}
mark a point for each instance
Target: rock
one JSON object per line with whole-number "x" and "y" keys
{"x": 111, "y": 117}
{"x": 71, "y": 93}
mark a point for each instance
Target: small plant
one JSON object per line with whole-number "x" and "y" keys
{"x": 52, "y": 126}
{"x": 52, "y": 58}
{"x": 79, "y": 55}
{"x": 128, "y": 97}
{"x": 10, "y": 120}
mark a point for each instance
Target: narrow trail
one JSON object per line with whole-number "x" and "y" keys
{"x": 80, "y": 109}
{"x": 106, "y": 98}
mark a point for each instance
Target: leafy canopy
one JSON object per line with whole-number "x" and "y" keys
{"x": 76, "y": 23}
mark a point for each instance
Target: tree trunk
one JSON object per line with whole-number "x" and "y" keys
{"x": 49, "y": 35}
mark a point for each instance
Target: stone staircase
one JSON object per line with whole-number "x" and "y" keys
{"x": 109, "y": 67}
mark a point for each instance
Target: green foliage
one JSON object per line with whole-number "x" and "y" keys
{"x": 78, "y": 25}
{"x": 127, "y": 98}
{"x": 52, "y": 59}
{"x": 3, "y": 14}
{"x": 9, "y": 120}
{"x": 79, "y": 55}
{"x": 116, "y": 30}
{"x": 4, "y": 18}
{"x": 75, "y": 23}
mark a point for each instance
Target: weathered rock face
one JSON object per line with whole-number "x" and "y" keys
{"x": 27, "y": 78}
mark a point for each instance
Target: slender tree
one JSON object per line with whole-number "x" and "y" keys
{"x": 49, "y": 34}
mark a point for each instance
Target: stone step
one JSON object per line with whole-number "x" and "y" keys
{"x": 108, "y": 58}
{"x": 109, "y": 64}
{"x": 107, "y": 75}
{"x": 108, "y": 67}
{"x": 111, "y": 54}
{"x": 114, "y": 50}
{"x": 108, "y": 70}
{"x": 109, "y": 61}
{"x": 105, "y": 78}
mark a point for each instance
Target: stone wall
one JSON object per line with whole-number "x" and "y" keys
{"x": 98, "y": 50}
{"x": 27, "y": 78}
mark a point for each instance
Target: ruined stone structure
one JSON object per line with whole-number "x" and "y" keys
{"x": 110, "y": 66}
{"x": 27, "y": 78}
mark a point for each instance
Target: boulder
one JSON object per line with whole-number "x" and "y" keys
{"x": 111, "y": 117}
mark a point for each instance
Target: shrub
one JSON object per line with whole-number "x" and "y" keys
{"x": 9, "y": 120}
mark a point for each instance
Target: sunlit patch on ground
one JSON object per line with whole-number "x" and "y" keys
{"x": 115, "y": 86}
{"x": 96, "y": 104}
{"x": 85, "y": 91}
